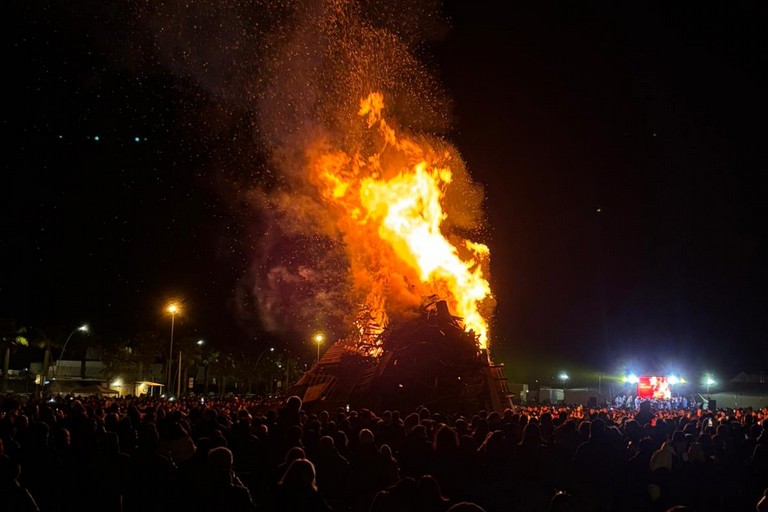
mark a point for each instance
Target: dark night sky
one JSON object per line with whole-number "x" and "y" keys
{"x": 621, "y": 149}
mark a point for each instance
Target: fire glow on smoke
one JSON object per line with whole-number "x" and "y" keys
{"x": 387, "y": 203}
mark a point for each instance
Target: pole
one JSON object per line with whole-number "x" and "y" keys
{"x": 600, "y": 388}
{"x": 56, "y": 367}
{"x": 170, "y": 356}
{"x": 61, "y": 355}
{"x": 287, "y": 371}
{"x": 318, "y": 351}
{"x": 178, "y": 383}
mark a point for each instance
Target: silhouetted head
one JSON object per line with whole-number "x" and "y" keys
{"x": 294, "y": 453}
{"x": 326, "y": 444}
{"x": 597, "y": 428}
{"x": 300, "y": 476}
{"x": 220, "y": 460}
{"x": 428, "y": 490}
{"x": 109, "y": 443}
{"x": 293, "y": 403}
{"x": 365, "y": 437}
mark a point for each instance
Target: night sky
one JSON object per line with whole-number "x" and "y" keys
{"x": 620, "y": 145}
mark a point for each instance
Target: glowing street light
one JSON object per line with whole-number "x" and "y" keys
{"x": 318, "y": 339}
{"x": 563, "y": 378}
{"x": 200, "y": 343}
{"x": 82, "y": 328}
{"x": 172, "y": 308}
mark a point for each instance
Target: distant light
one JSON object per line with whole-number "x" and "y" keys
{"x": 61, "y": 136}
{"x": 136, "y": 139}
{"x": 201, "y": 342}
{"x": 563, "y": 376}
{"x": 319, "y": 338}
{"x": 599, "y": 210}
{"x": 632, "y": 379}
{"x": 673, "y": 380}
{"x": 96, "y": 138}
{"x": 83, "y": 328}
{"x": 117, "y": 383}
{"x": 271, "y": 349}
{"x": 709, "y": 381}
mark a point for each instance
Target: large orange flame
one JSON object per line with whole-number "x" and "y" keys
{"x": 392, "y": 198}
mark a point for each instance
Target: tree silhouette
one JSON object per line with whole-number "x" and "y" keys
{"x": 117, "y": 355}
{"x": 146, "y": 348}
{"x": 11, "y": 337}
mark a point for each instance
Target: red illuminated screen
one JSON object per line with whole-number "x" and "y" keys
{"x": 653, "y": 387}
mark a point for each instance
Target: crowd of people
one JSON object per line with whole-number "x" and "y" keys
{"x": 230, "y": 454}
{"x": 673, "y": 403}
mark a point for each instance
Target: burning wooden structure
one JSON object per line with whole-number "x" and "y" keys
{"x": 430, "y": 360}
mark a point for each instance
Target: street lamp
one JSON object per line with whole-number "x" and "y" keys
{"x": 709, "y": 381}
{"x": 271, "y": 349}
{"x": 563, "y": 378}
{"x": 318, "y": 338}
{"x": 82, "y": 328}
{"x": 256, "y": 365}
{"x": 173, "y": 309}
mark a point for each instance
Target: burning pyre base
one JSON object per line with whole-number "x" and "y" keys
{"x": 429, "y": 361}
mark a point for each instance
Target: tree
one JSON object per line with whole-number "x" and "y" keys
{"x": 208, "y": 358}
{"x": 117, "y": 355}
{"x": 146, "y": 348}
{"x": 11, "y": 337}
{"x": 222, "y": 368}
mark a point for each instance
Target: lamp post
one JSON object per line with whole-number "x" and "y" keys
{"x": 172, "y": 308}
{"x": 258, "y": 359}
{"x": 270, "y": 349}
{"x": 318, "y": 338}
{"x": 82, "y": 328}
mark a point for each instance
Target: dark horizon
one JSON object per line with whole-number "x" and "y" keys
{"x": 619, "y": 148}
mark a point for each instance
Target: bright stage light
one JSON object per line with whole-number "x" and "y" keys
{"x": 632, "y": 378}
{"x": 672, "y": 379}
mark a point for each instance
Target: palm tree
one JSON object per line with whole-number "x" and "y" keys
{"x": 208, "y": 358}
{"x": 222, "y": 368}
{"x": 11, "y": 337}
